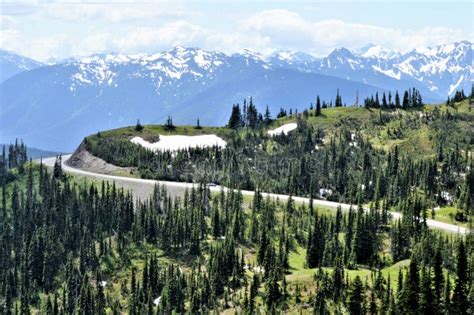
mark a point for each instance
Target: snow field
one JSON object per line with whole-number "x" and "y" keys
{"x": 174, "y": 143}
{"x": 283, "y": 129}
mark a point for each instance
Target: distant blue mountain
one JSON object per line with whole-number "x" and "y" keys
{"x": 55, "y": 106}
{"x": 12, "y": 64}
{"x": 34, "y": 153}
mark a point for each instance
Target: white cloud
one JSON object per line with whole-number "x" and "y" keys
{"x": 288, "y": 30}
{"x": 115, "y": 13}
{"x": 151, "y": 39}
{"x": 151, "y": 27}
{"x": 170, "y": 34}
{"x": 7, "y": 22}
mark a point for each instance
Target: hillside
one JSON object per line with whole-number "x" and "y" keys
{"x": 202, "y": 251}
{"x": 331, "y": 156}
{"x": 414, "y": 131}
{"x": 208, "y": 252}
{"x": 214, "y": 250}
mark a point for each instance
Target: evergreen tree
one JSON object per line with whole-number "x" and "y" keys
{"x": 356, "y": 297}
{"x": 338, "y": 101}
{"x": 409, "y": 299}
{"x": 406, "y": 100}
{"x": 138, "y": 126}
{"x": 318, "y": 106}
{"x": 235, "y": 117}
{"x": 397, "y": 100}
{"x": 169, "y": 124}
{"x": 267, "y": 117}
{"x": 438, "y": 278}
{"x": 428, "y": 304}
{"x": 198, "y": 124}
{"x": 460, "y": 300}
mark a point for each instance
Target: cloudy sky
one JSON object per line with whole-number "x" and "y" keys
{"x": 61, "y": 29}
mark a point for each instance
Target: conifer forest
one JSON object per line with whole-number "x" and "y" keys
{"x": 75, "y": 245}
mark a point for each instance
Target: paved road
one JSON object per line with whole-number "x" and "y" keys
{"x": 142, "y": 188}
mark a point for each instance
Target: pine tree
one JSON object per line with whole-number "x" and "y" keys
{"x": 273, "y": 293}
{"x": 438, "y": 278}
{"x": 384, "y": 101}
{"x": 138, "y": 126}
{"x": 318, "y": 106}
{"x": 447, "y": 296}
{"x": 216, "y": 230}
{"x": 267, "y": 117}
{"x": 427, "y": 301}
{"x": 169, "y": 124}
{"x": 198, "y": 124}
{"x": 57, "y": 170}
{"x": 406, "y": 100}
{"x": 235, "y": 117}
{"x": 338, "y": 101}
{"x": 253, "y": 291}
{"x": 356, "y": 297}
{"x": 460, "y": 300}
{"x": 409, "y": 300}
{"x": 397, "y": 100}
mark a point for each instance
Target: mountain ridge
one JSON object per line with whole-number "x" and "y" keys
{"x": 12, "y": 64}
{"x": 62, "y": 102}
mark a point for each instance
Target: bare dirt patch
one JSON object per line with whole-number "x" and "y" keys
{"x": 84, "y": 160}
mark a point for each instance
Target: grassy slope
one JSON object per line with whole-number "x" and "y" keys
{"x": 301, "y": 274}
{"x": 151, "y": 132}
{"x": 416, "y": 138}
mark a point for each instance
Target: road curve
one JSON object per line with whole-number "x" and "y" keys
{"x": 138, "y": 185}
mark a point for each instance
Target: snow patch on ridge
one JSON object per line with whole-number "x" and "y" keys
{"x": 175, "y": 143}
{"x": 389, "y": 73}
{"x": 453, "y": 87}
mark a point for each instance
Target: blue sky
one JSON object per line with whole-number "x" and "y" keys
{"x": 61, "y": 29}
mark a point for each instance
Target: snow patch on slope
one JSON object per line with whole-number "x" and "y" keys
{"x": 453, "y": 87}
{"x": 283, "y": 129}
{"x": 389, "y": 73}
{"x": 175, "y": 143}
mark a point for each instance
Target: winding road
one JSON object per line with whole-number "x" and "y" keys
{"x": 142, "y": 188}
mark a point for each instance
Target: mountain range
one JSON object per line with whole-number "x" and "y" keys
{"x": 12, "y": 64}
{"x": 55, "y": 106}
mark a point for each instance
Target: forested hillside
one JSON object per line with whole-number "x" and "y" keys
{"x": 68, "y": 246}
{"x": 392, "y": 151}
{"x": 78, "y": 248}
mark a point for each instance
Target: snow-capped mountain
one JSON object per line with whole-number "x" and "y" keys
{"x": 437, "y": 72}
{"x": 61, "y": 103}
{"x": 161, "y": 68}
{"x": 378, "y": 52}
{"x": 12, "y": 64}
{"x": 443, "y": 69}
